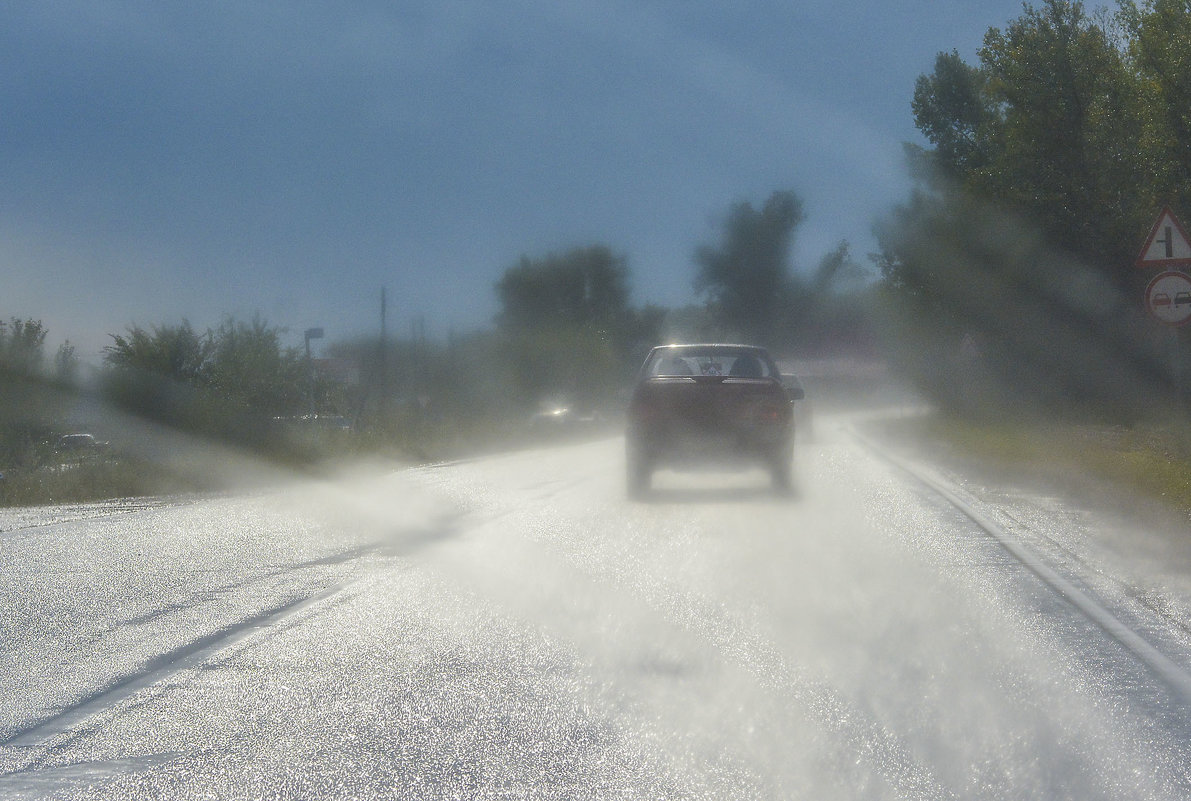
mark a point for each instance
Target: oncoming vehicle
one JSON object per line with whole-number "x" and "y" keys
{"x": 78, "y": 444}
{"x": 563, "y": 421}
{"x": 709, "y": 404}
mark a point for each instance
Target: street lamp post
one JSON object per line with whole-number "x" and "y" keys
{"x": 311, "y": 333}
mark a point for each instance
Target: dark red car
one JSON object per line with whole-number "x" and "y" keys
{"x": 717, "y": 404}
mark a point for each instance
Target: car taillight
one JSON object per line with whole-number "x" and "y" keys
{"x": 770, "y": 413}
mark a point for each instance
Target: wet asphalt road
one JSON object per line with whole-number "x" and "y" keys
{"x": 514, "y": 627}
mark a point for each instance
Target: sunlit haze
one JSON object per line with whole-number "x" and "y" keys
{"x": 168, "y": 162}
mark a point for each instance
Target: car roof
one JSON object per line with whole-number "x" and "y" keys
{"x": 709, "y": 346}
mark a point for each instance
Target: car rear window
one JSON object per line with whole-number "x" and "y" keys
{"x": 736, "y": 364}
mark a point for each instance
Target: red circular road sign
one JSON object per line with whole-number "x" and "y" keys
{"x": 1168, "y": 298}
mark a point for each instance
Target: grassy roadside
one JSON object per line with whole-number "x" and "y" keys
{"x": 183, "y": 471}
{"x": 86, "y": 482}
{"x": 1151, "y": 461}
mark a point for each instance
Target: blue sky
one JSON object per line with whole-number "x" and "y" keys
{"x": 161, "y": 161}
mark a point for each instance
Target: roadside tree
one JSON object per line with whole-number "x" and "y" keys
{"x": 745, "y": 279}
{"x": 224, "y": 383}
{"x": 1010, "y": 265}
{"x": 1160, "y": 49}
{"x": 567, "y": 327}
{"x": 29, "y": 406}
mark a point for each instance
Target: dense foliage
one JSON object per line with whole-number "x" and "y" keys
{"x": 27, "y": 406}
{"x": 566, "y": 330}
{"x": 1012, "y": 264}
{"x": 746, "y": 278}
{"x": 227, "y": 382}
{"x": 754, "y": 293}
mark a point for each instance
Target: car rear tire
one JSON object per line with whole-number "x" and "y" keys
{"x": 638, "y": 475}
{"x": 781, "y": 470}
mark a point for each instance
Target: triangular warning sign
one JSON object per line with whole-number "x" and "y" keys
{"x": 1167, "y": 245}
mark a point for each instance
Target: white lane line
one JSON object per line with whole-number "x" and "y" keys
{"x": 69, "y": 721}
{"x": 1175, "y": 676}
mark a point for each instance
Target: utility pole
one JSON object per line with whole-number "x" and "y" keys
{"x": 383, "y": 354}
{"x": 311, "y": 333}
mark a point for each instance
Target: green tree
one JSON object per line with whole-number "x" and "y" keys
{"x": 22, "y": 344}
{"x": 1048, "y": 126}
{"x": 837, "y": 269}
{"x": 1049, "y": 160}
{"x": 1066, "y": 133}
{"x": 66, "y": 364}
{"x": 582, "y": 287}
{"x": 745, "y": 278}
{"x": 250, "y": 369}
{"x": 830, "y": 311}
{"x": 158, "y": 373}
{"x": 29, "y": 407}
{"x": 177, "y": 352}
{"x": 988, "y": 316}
{"x": 953, "y": 111}
{"x": 568, "y": 327}
{"x": 1160, "y": 47}
{"x": 218, "y": 383}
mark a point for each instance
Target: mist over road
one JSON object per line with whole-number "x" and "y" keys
{"x": 514, "y": 627}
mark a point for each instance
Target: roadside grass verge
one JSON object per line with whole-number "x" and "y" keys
{"x": 1147, "y": 460}
{"x": 191, "y": 468}
{"x": 88, "y": 481}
